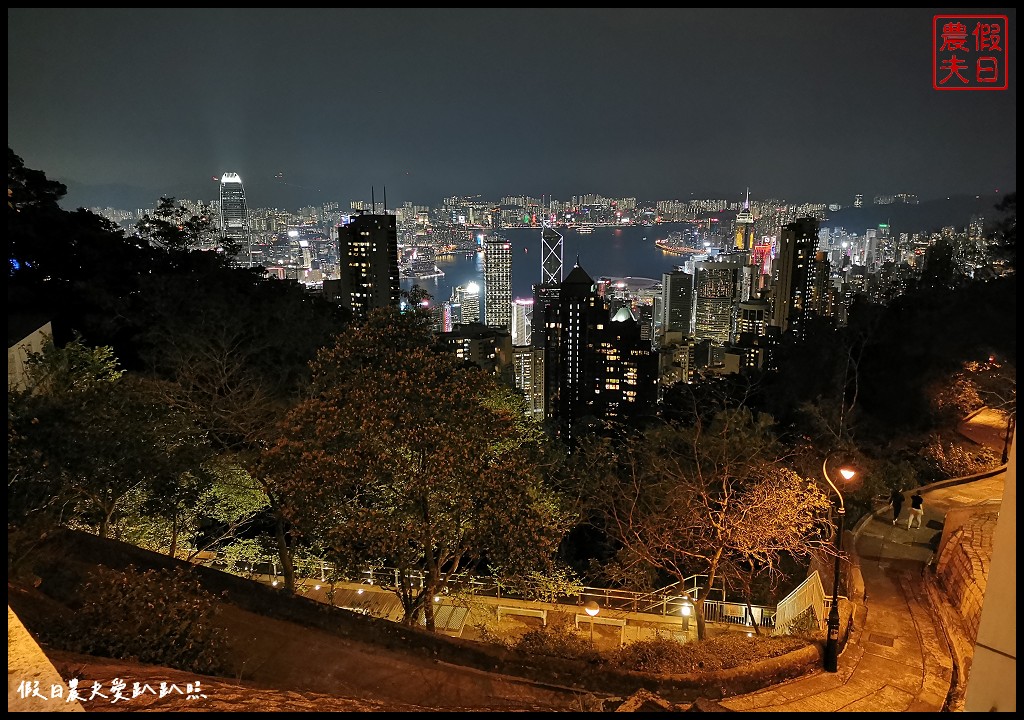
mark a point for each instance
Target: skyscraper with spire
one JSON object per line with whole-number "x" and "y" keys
{"x": 745, "y": 226}
{"x": 545, "y": 293}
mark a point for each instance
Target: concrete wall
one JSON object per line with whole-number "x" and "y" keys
{"x": 27, "y": 665}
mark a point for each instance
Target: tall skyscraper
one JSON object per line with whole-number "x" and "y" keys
{"x": 368, "y": 263}
{"x": 794, "y": 279}
{"x": 467, "y": 297}
{"x": 715, "y": 287}
{"x": 234, "y": 218}
{"x": 595, "y": 365}
{"x": 498, "y": 282}
{"x": 551, "y": 251}
{"x": 745, "y": 226}
{"x": 546, "y": 292}
{"x": 579, "y": 311}
{"x": 522, "y": 322}
{"x": 677, "y": 301}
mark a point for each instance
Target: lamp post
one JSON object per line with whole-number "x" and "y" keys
{"x": 832, "y": 641}
{"x": 685, "y": 610}
{"x": 592, "y": 609}
{"x": 1011, "y": 421}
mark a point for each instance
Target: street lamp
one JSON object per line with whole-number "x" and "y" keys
{"x": 592, "y": 609}
{"x": 685, "y": 610}
{"x": 832, "y": 641}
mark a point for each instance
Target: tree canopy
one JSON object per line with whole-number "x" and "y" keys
{"x": 405, "y": 457}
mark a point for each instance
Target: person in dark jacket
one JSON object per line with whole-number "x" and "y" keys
{"x": 896, "y": 501}
{"x": 916, "y": 510}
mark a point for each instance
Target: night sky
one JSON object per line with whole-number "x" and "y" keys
{"x": 311, "y": 106}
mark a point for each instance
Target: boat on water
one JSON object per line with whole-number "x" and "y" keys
{"x": 584, "y": 230}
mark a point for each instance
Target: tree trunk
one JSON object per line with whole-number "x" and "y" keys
{"x": 105, "y": 523}
{"x": 284, "y": 553}
{"x": 703, "y": 595}
{"x": 753, "y": 621}
{"x": 174, "y": 535}
{"x": 428, "y": 606}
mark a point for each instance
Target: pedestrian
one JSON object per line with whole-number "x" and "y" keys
{"x": 916, "y": 510}
{"x": 896, "y": 501}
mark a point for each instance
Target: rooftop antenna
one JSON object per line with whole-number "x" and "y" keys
{"x": 385, "y": 198}
{"x": 373, "y": 203}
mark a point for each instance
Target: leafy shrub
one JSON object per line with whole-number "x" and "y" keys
{"x": 658, "y": 655}
{"x": 156, "y": 616}
{"x": 950, "y": 460}
{"x": 558, "y": 639}
{"x": 668, "y": 656}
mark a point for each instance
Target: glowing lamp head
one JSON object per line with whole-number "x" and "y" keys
{"x": 847, "y": 473}
{"x": 592, "y": 608}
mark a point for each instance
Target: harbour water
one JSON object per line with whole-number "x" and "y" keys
{"x": 618, "y": 252}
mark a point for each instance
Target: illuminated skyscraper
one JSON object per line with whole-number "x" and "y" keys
{"x": 498, "y": 282}
{"x": 745, "y": 226}
{"x": 467, "y": 297}
{"x": 715, "y": 287}
{"x": 234, "y": 218}
{"x": 368, "y": 263}
{"x": 794, "y": 286}
{"x": 522, "y": 322}
{"x": 550, "y": 256}
{"x": 546, "y": 292}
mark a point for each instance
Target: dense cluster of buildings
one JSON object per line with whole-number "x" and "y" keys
{"x": 583, "y": 348}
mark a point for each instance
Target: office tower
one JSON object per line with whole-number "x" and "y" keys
{"x": 579, "y": 310}
{"x": 522, "y": 322}
{"x": 714, "y": 290}
{"x": 551, "y": 250}
{"x": 822, "y": 297}
{"x": 761, "y": 259}
{"x": 645, "y": 317}
{"x": 467, "y": 298}
{"x": 368, "y": 263}
{"x": 489, "y": 348}
{"x": 745, "y": 226}
{"x": 527, "y": 362}
{"x": 677, "y": 301}
{"x": 234, "y": 218}
{"x": 794, "y": 279}
{"x": 624, "y": 366}
{"x": 498, "y": 282}
{"x": 546, "y": 293}
{"x": 752, "y": 317}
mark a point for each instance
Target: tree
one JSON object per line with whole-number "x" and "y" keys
{"x": 88, "y": 436}
{"x": 210, "y": 507}
{"x": 175, "y": 230}
{"x": 403, "y": 456}
{"x": 713, "y": 500}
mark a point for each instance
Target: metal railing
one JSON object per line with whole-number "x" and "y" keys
{"x": 808, "y": 594}
{"x": 667, "y": 601}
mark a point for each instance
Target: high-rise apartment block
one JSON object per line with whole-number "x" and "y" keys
{"x": 368, "y": 263}
{"x": 498, "y": 282}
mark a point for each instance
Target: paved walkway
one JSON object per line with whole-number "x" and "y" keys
{"x": 897, "y": 658}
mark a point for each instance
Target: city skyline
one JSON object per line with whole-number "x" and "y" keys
{"x": 420, "y": 104}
